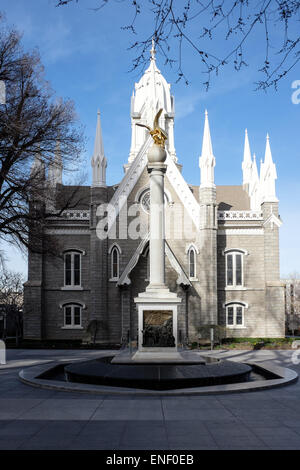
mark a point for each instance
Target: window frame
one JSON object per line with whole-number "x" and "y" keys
{"x": 72, "y": 325}
{"x": 192, "y": 247}
{"x": 72, "y": 253}
{"x": 192, "y": 250}
{"x": 234, "y": 253}
{"x": 235, "y": 306}
{"x": 114, "y": 249}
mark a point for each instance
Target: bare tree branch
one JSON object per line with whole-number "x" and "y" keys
{"x": 234, "y": 22}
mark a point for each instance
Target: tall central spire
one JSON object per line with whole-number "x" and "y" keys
{"x": 151, "y": 93}
{"x": 207, "y": 160}
{"x": 99, "y": 162}
{"x": 247, "y": 161}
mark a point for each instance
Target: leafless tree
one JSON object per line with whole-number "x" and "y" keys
{"x": 293, "y": 302}
{"x": 11, "y": 300}
{"x": 32, "y": 120}
{"x": 235, "y": 23}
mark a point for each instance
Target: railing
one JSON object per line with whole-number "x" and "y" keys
{"x": 240, "y": 215}
{"x": 74, "y": 214}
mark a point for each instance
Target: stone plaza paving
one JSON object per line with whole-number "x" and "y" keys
{"x": 32, "y": 418}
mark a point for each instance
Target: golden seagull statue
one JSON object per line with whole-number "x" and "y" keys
{"x": 157, "y": 133}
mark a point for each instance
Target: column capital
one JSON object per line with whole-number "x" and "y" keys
{"x": 162, "y": 167}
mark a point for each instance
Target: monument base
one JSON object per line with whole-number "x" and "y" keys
{"x": 157, "y": 321}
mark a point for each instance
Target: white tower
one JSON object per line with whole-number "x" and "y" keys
{"x": 151, "y": 93}
{"x": 56, "y": 167}
{"x": 99, "y": 162}
{"x": 268, "y": 175}
{"x": 247, "y": 161}
{"x": 254, "y": 187}
{"x": 207, "y": 160}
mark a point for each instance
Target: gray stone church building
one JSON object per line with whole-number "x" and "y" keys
{"x": 221, "y": 247}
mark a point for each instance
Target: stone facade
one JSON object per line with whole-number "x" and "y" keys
{"x": 232, "y": 277}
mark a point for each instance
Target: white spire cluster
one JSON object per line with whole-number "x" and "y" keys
{"x": 150, "y": 94}
{"x": 99, "y": 162}
{"x": 207, "y": 160}
{"x": 261, "y": 188}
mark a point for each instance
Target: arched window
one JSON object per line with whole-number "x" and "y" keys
{"x": 192, "y": 263}
{"x": 235, "y": 317}
{"x": 72, "y": 263}
{"x": 192, "y": 256}
{"x": 72, "y": 315}
{"x": 234, "y": 268}
{"x": 115, "y": 263}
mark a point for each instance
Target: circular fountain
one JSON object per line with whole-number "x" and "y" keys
{"x": 158, "y": 375}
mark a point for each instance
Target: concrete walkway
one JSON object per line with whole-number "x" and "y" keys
{"x": 32, "y": 418}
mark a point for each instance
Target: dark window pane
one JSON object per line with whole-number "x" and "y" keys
{"x": 230, "y": 316}
{"x": 76, "y": 270}
{"x": 238, "y": 269}
{"x": 68, "y": 316}
{"x": 239, "y": 315}
{"x": 192, "y": 263}
{"x": 68, "y": 278}
{"x": 77, "y": 319}
{"x": 115, "y": 262}
{"x": 229, "y": 271}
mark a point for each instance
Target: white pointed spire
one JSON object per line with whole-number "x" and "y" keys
{"x": 56, "y": 167}
{"x": 254, "y": 187}
{"x": 268, "y": 175}
{"x": 99, "y": 162}
{"x": 207, "y": 160}
{"x": 247, "y": 161}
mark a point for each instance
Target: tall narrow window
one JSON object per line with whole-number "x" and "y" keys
{"x": 72, "y": 269}
{"x": 235, "y": 315}
{"x": 229, "y": 270}
{"x": 115, "y": 259}
{"x": 234, "y": 269}
{"x": 192, "y": 262}
{"x": 72, "y": 316}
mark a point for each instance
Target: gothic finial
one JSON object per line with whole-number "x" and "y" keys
{"x": 153, "y": 50}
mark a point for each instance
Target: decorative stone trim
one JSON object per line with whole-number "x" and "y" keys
{"x": 240, "y": 250}
{"x": 67, "y": 231}
{"x": 124, "y": 278}
{"x": 241, "y": 231}
{"x": 71, "y": 288}
{"x": 73, "y": 214}
{"x": 182, "y": 278}
{"x": 114, "y": 245}
{"x": 72, "y": 328}
{"x": 191, "y": 245}
{"x": 72, "y": 302}
{"x": 127, "y": 184}
{"x": 240, "y": 215}
{"x": 273, "y": 220}
{"x": 183, "y": 191}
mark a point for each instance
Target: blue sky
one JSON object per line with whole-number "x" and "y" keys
{"x": 86, "y": 59}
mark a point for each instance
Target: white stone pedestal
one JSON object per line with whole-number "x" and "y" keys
{"x": 157, "y": 300}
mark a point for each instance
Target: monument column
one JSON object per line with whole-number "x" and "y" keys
{"x": 157, "y": 225}
{"x": 157, "y": 306}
